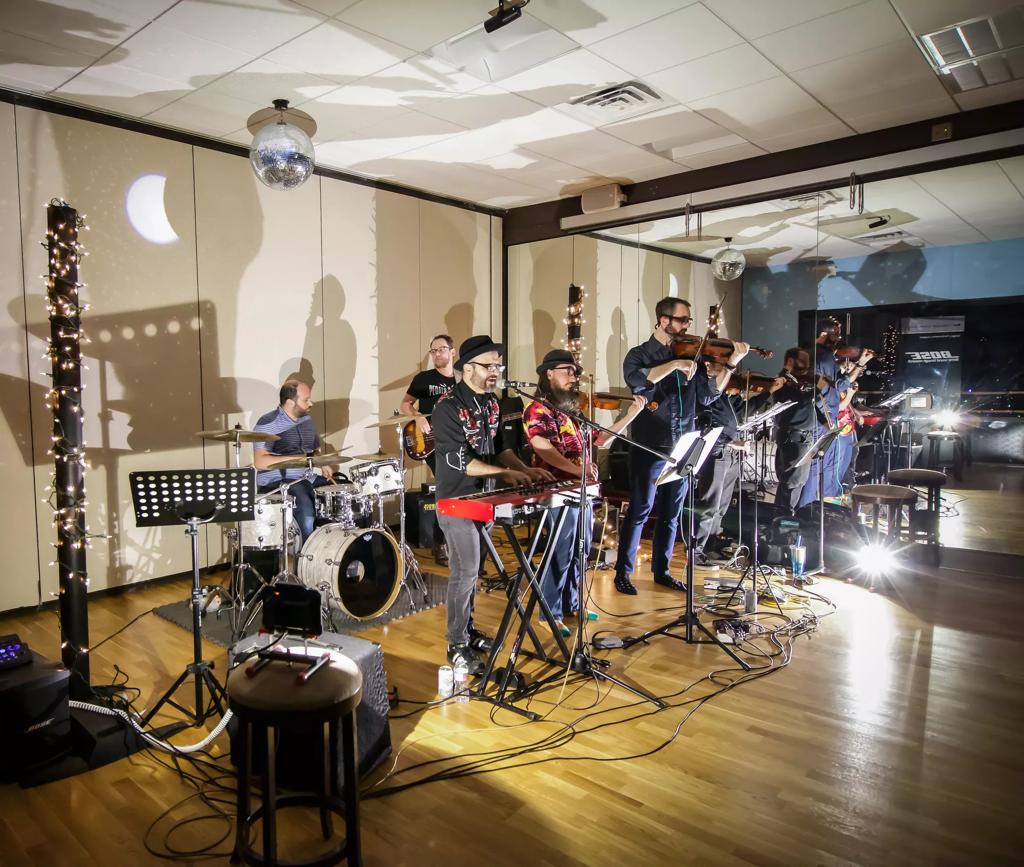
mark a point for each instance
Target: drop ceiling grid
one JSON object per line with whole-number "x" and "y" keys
{"x": 969, "y": 178}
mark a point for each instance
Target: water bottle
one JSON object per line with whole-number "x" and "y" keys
{"x": 461, "y": 683}
{"x": 445, "y": 681}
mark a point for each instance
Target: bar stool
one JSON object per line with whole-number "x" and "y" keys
{"x": 924, "y": 523}
{"x": 270, "y": 697}
{"x": 892, "y": 497}
{"x": 936, "y": 438}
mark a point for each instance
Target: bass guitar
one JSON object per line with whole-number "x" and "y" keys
{"x": 419, "y": 446}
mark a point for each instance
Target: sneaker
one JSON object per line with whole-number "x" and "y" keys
{"x": 670, "y": 582}
{"x": 441, "y": 554}
{"x": 701, "y": 559}
{"x": 624, "y": 585}
{"x": 588, "y": 614}
{"x": 563, "y": 630}
{"x": 465, "y": 655}
{"x": 480, "y": 641}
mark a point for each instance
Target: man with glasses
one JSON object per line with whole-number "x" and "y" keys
{"x": 672, "y": 388}
{"x": 426, "y": 388}
{"x": 471, "y": 457}
{"x": 558, "y": 446}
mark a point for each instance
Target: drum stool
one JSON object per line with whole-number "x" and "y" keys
{"x": 924, "y": 523}
{"x": 935, "y": 440}
{"x": 892, "y": 497}
{"x": 272, "y": 697}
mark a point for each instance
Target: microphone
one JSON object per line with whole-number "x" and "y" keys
{"x": 515, "y": 383}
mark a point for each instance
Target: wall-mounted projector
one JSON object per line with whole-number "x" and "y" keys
{"x": 598, "y": 199}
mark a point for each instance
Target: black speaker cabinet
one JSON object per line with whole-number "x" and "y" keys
{"x": 35, "y": 723}
{"x": 297, "y": 761}
{"x": 420, "y": 517}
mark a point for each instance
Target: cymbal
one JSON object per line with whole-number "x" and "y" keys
{"x": 234, "y": 434}
{"x": 379, "y": 455}
{"x": 300, "y": 462}
{"x": 392, "y": 420}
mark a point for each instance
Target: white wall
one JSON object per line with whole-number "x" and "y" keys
{"x": 338, "y": 283}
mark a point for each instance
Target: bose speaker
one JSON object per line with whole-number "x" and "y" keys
{"x": 598, "y": 199}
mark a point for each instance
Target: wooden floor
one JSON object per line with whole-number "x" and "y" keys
{"x": 985, "y": 510}
{"x": 892, "y": 737}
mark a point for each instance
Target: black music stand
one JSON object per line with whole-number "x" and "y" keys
{"x": 164, "y": 498}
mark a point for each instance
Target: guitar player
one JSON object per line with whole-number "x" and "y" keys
{"x": 423, "y": 392}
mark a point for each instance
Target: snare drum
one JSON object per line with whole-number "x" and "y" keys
{"x": 356, "y": 571}
{"x": 375, "y": 478}
{"x": 340, "y": 504}
{"x": 264, "y": 531}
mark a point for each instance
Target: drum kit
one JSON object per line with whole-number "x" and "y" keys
{"x": 352, "y": 557}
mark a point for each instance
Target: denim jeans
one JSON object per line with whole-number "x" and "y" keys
{"x": 644, "y": 470}
{"x": 305, "y": 502}
{"x": 463, "y": 539}
{"x": 559, "y": 585}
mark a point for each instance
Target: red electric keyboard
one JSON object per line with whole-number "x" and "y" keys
{"x": 514, "y": 504}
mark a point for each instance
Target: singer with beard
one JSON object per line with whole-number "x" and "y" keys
{"x": 294, "y": 425}
{"x": 672, "y": 389}
{"x": 558, "y": 446}
{"x": 471, "y": 457}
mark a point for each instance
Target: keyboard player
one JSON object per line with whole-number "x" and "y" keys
{"x": 471, "y": 457}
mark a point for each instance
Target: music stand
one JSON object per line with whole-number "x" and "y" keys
{"x": 817, "y": 450}
{"x": 904, "y": 422}
{"x": 165, "y": 498}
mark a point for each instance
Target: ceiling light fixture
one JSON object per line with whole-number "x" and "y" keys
{"x": 282, "y": 154}
{"x": 506, "y": 13}
{"x": 729, "y": 263}
{"x": 878, "y": 222}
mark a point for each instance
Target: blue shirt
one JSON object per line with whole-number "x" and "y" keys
{"x": 677, "y": 397}
{"x": 827, "y": 366}
{"x": 297, "y": 438}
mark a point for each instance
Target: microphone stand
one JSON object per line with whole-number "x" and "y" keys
{"x": 581, "y": 661}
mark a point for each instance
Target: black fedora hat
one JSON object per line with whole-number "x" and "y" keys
{"x": 476, "y": 346}
{"x": 556, "y": 358}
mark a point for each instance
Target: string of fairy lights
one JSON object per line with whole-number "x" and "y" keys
{"x": 66, "y": 494}
{"x": 574, "y": 321}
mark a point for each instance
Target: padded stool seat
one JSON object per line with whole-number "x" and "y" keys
{"x": 274, "y": 696}
{"x": 892, "y": 497}
{"x": 920, "y": 478}
{"x": 935, "y": 440}
{"x": 924, "y": 523}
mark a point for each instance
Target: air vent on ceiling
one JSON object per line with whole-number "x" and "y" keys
{"x": 895, "y": 236}
{"x": 980, "y": 52}
{"x": 812, "y": 200}
{"x": 618, "y": 102}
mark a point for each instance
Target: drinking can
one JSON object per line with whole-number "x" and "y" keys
{"x": 445, "y": 681}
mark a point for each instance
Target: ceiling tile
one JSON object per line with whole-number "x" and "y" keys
{"x": 764, "y": 110}
{"x": 848, "y": 31}
{"x": 253, "y": 27}
{"x": 26, "y": 64}
{"x": 121, "y": 91}
{"x": 753, "y": 20}
{"x": 994, "y": 95}
{"x": 349, "y": 109}
{"x": 663, "y": 130}
{"x": 326, "y": 7}
{"x": 338, "y": 52}
{"x": 206, "y": 112}
{"x": 667, "y": 41}
{"x": 262, "y": 82}
{"x": 598, "y": 19}
{"x": 978, "y": 193}
{"x": 806, "y": 136}
{"x": 720, "y": 156}
{"x": 602, "y": 154}
{"x": 564, "y": 78}
{"x": 397, "y": 21}
{"x": 387, "y": 138}
{"x": 724, "y": 70}
{"x": 1014, "y": 169}
{"x": 881, "y": 87}
{"x": 483, "y": 107}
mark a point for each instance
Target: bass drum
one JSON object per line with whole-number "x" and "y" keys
{"x": 356, "y": 571}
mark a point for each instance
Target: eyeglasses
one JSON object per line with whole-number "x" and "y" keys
{"x": 491, "y": 368}
{"x": 570, "y": 370}
{"x": 684, "y": 320}
{"x": 440, "y": 350}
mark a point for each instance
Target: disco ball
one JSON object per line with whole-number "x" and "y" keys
{"x": 282, "y": 156}
{"x": 728, "y": 264}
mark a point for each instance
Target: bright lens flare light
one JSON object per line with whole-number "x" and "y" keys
{"x": 876, "y": 560}
{"x": 947, "y": 418}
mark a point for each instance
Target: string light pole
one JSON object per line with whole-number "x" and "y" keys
{"x": 67, "y": 486}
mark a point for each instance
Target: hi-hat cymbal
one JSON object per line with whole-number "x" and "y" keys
{"x": 392, "y": 420}
{"x": 379, "y": 455}
{"x": 300, "y": 462}
{"x": 236, "y": 434}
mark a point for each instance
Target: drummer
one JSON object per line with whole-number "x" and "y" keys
{"x": 294, "y": 425}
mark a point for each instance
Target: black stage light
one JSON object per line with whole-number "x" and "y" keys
{"x": 879, "y": 222}
{"x": 506, "y": 13}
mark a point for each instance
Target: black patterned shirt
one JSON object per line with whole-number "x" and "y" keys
{"x": 466, "y": 425}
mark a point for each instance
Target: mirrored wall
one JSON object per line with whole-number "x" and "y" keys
{"x": 926, "y": 271}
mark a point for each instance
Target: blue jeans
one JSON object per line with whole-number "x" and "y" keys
{"x": 305, "y": 502}
{"x": 559, "y": 585}
{"x": 644, "y": 470}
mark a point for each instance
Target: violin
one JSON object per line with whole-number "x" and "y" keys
{"x": 748, "y": 382}
{"x": 711, "y": 349}
{"x": 851, "y": 351}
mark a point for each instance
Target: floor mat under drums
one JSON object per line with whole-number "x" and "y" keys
{"x": 218, "y": 628}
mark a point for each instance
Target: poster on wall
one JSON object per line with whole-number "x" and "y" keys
{"x": 930, "y": 356}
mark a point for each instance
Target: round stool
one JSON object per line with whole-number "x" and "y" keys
{"x": 924, "y": 523}
{"x": 936, "y": 438}
{"x": 267, "y": 696}
{"x": 892, "y": 497}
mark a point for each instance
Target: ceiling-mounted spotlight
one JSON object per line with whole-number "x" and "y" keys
{"x": 729, "y": 263}
{"x": 282, "y": 153}
{"x": 878, "y": 222}
{"x": 507, "y": 12}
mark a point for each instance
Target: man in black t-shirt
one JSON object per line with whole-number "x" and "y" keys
{"x": 426, "y": 388}
{"x": 471, "y": 457}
